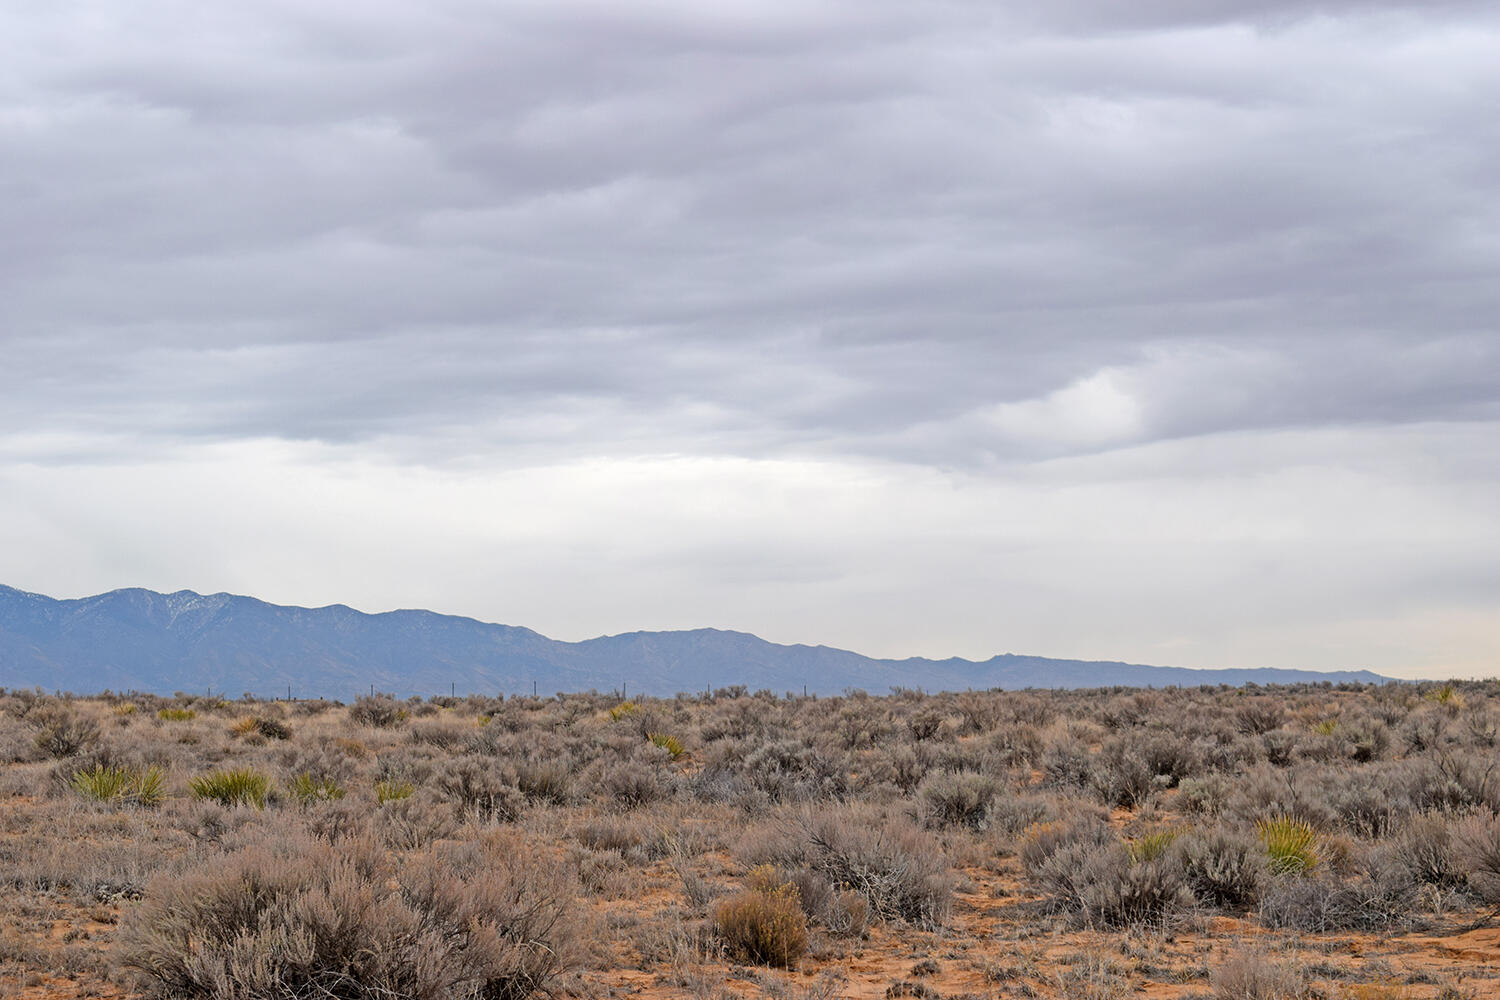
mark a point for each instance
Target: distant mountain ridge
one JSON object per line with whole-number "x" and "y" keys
{"x": 141, "y": 640}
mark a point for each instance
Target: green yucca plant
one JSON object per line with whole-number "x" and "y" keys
{"x": 622, "y": 710}
{"x": 1153, "y": 846}
{"x": 232, "y": 787}
{"x": 122, "y": 784}
{"x": 392, "y": 791}
{"x": 1291, "y": 843}
{"x": 671, "y": 744}
{"x": 176, "y": 714}
{"x": 306, "y": 789}
{"x": 124, "y": 709}
{"x": 1326, "y": 727}
{"x": 1448, "y": 696}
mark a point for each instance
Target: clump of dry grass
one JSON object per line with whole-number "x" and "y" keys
{"x": 1250, "y": 974}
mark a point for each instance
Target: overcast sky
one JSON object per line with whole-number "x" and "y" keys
{"x": 1162, "y": 331}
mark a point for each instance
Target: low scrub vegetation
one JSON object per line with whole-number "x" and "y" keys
{"x": 299, "y": 918}
{"x": 1000, "y": 844}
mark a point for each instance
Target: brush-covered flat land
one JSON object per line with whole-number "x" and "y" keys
{"x": 1226, "y": 843}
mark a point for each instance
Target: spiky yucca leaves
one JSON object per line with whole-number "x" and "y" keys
{"x": 1152, "y": 846}
{"x": 393, "y": 791}
{"x": 1291, "y": 844}
{"x": 243, "y": 786}
{"x": 671, "y": 744}
{"x": 140, "y": 786}
{"x": 307, "y": 789}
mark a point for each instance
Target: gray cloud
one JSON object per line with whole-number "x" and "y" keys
{"x": 940, "y": 236}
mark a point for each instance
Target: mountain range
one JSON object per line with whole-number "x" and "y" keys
{"x": 141, "y": 640}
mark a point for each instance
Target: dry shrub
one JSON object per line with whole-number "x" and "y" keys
{"x": 1476, "y": 842}
{"x": 61, "y": 732}
{"x": 632, "y": 784}
{"x": 445, "y": 734}
{"x": 1016, "y": 746}
{"x": 844, "y": 913}
{"x": 548, "y": 781}
{"x": 301, "y": 918}
{"x": 1259, "y": 715}
{"x": 324, "y": 761}
{"x": 1378, "y": 895}
{"x": 959, "y": 799}
{"x": 898, "y": 868}
{"x": 796, "y": 771}
{"x": 1011, "y": 814}
{"x": 339, "y": 820}
{"x": 924, "y": 725}
{"x": 415, "y": 821}
{"x": 263, "y": 726}
{"x": 763, "y": 924}
{"x": 1086, "y": 872}
{"x": 381, "y": 711}
{"x": 1223, "y": 867}
{"x": 479, "y": 789}
{"x": 1130, "y": 767}
{"x": 1254, "y": 975}
{"x": 1076, "y": 835}
{"x": 1426, "y": 847}
{"x": 980, "y": 712}
{"x": 1116, "y": 890}
{"x": 1204, "y": 796}
{"x": 1067, "y": 763}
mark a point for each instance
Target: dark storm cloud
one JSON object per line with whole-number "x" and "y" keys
{"x": 930, "y": 233}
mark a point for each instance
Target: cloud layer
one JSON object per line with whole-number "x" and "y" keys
{"x": 805, "y": 318}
